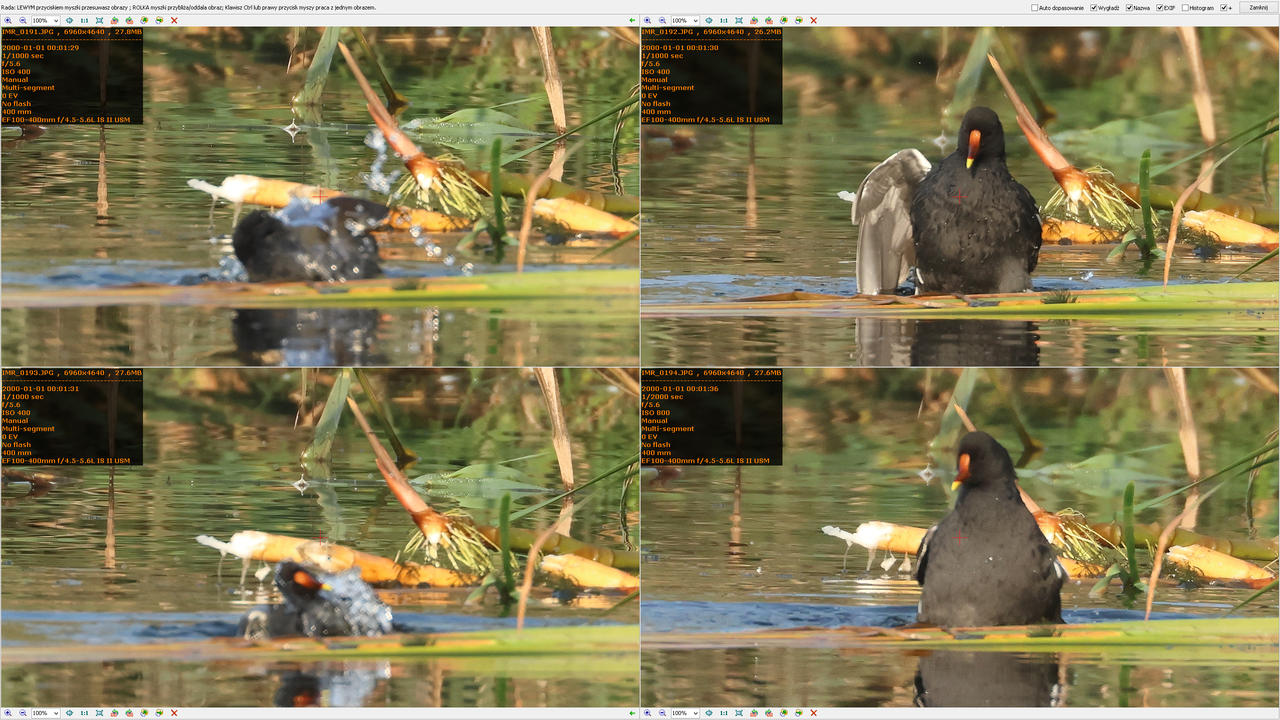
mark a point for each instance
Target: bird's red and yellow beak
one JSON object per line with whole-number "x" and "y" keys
{"x": 309, "y": 581}
{"x": 962, "y": 467}
{"x": 975, "y": 139}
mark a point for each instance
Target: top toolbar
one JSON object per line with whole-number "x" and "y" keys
{"x": 586, "y": 12}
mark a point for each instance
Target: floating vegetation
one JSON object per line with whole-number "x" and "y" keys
{"x": 1175, "y": 299}
{"x": 1101, "y": 203}
{"x": 1058, "y": 297}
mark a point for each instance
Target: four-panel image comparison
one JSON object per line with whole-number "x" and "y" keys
{"x": 800, "y": 370}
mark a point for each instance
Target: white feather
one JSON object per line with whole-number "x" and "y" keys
{"x": 882, "y": 210}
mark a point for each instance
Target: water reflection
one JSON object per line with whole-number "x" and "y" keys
{"x": 987, "y": 679}
{"x": 446, "y": 334}
{"x": 1229, "y": 338}
{"x": 897, "y": 342}
{"x": 328, "y": 684}
{"x": 306, "y": 337}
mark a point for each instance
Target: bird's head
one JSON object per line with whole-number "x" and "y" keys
{"x": 982, "y": 135}
{"x": 979, "y": 460}
{"x": 292, "y": 577}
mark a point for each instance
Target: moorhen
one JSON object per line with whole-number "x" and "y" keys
{"x": 318, "y": 604}
{"x": 324, "y": 242}
{"x": 966, "y": 224}
{"x": 986, "y": 562}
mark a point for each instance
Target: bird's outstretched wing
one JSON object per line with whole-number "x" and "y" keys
{"x": 882, "y": 211}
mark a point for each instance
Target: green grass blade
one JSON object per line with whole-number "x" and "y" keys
{"x": 630, "y": 598}
{"x": 404, "y": 456}
{"x": 1130, "y": 544}
{"x": 621, "y": 241}
{"x": 1221, "y": 143}
{"x": 1269, "y": 149}
{"x": 1144, "y": 197}
{"x": 1268, "y": 256}
{"x": 617, "y": 107}
{"x": 318, "y": 73}
{"x": 940, "y": 449}
{"x": 1263, "y": 590}
{"x": 506, "y": 593}
{"x": 971, "y": 73}
{"x": 320, "y": 447}
{"x": 577, "y": 488}
{"x": 1250, "y": 459}
{"x": 617, "y": 139}
{"x": 497, "y": 231}
{"x": 395, "y": 100}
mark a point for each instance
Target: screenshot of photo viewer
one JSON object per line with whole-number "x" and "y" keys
{"x": 394, "y": 360}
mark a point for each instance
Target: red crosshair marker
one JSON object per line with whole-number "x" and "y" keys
{"x": 960, "y": 537}
{"x": 958, "y": 196}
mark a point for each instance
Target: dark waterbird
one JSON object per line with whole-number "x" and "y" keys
{"x": 318, "y": 604}
{"x": 966, "y": 225}
{"x": 987, "y": 562}
{"x": 325, "y": 242}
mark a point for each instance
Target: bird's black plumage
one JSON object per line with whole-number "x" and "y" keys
{"x": 319, "y": 604}
{"x": 975, "y": 228}
{"x": 328, "y": 242}
{"x": 987, "y": 562}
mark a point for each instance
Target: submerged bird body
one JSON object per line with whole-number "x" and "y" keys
{"x": 987, "y": 562}
{"x": 325, "y": 242}
{"x": 318, "y": 604}
{"x": 972, "y": 227}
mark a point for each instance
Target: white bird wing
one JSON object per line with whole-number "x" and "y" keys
{"x": 882, "y": 211}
